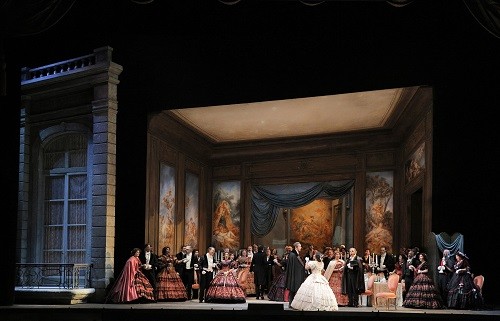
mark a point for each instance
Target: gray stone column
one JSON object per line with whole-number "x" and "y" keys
{"x": 104, "y": 110}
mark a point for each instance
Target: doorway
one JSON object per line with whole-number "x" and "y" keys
{"x": 416, "y": 215}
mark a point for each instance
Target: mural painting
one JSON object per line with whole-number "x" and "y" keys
{"x": 379, "y": 210}
{"x": 191, "y": 210}
{"x": 226, "y": 215}
{"x": 416, "y": 164}
{"x": 166, "y": 211}
{"x": 313, "y": 224}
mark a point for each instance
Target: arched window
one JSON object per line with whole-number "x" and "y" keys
{"x": 65, "y": 200}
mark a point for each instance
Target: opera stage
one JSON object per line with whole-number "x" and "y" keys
{"x": 253, "y": 309}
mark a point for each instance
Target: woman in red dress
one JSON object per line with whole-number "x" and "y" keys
{"x": 334, "y": 274}
{"x": 244, "y": 276}
{"x": 132, "y": 285}
{"x": 224, "y": 288}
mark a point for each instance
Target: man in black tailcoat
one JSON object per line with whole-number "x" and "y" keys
{"x": 295, "y": 271}
{"x": 445, "y": 272}
{"x": 408, "y": 270}
{"x": 179, "y": 261}
{"x": 386, "y": 262}
{"x": 258, "y": 267}
{"x": 353, "y": 281}
{"x": 207, "y": 265}
{"x": 187, "y": 268}
{"x": 149, "y": 264}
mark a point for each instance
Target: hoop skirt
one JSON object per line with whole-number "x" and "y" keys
{"x": 423, "y": 294}
{"x": 315, "y": 293}
{"x": 169, "y": 286}
{"x": 245, "y": 277}
{"x": 277, "y": 289}
{"x": 463, "y": 294}
{"x": 132, "y": 285}
{"x": 224, "y": 288}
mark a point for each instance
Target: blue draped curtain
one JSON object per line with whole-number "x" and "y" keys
{"x": 269, "y": 200}
{"x": 454, "y": 246}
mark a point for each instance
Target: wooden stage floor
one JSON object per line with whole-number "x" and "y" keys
{"x": 253, "y": 309}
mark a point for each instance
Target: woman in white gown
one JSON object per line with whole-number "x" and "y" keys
{"x": 315, "y": 293}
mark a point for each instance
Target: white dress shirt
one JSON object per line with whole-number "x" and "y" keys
{"x": 382, "y": 260}
{"x": 210, "y": 263}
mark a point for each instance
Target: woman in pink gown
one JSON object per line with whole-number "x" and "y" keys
{"x": 334, "y": 273}
{"x": 132, "y": 285}
{"x": 244, "y": 276}
{"x": 224, "y": 288}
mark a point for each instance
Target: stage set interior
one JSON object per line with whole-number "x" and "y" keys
{"x": 168, "y": 99}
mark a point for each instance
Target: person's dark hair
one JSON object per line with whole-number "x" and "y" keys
{"x": 261, "y": 248}
{"x": 318, "y": 257}
{"x": 164, "y": 250}
{"x": 424, "y": 256}
{"x": 135, "y": 249}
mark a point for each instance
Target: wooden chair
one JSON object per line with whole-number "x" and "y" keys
{"x": 479, "y": 282}
{"x": 392, "y": 284}
{"x": 369, "y": 287}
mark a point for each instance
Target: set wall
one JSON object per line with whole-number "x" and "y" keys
{"x": 325, "y": 158}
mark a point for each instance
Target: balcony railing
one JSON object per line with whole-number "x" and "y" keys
{"x": 58, "y": 68}
{"x": 100, "y": 55}
{"x": 61, "y": 275}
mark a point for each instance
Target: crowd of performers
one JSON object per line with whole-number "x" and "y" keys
{"x": 308, "y": 279}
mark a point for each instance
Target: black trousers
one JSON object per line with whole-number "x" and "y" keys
{"x": 259, "y": 291}
{"x": 352, "y": 291}
{"x": 408, "y": 283}
{"x": 205, "y": 280}
{"x": 188, "y": 280}
{"x": 150, "y": 274}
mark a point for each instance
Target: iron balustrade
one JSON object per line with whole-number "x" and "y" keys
{"x": 61, "y": 275}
